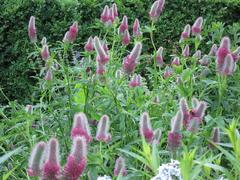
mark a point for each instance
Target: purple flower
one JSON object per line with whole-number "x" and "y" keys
{"x": 105, "y": 14}
{"x": 103, "y": 129}
{"x": 89, "y": 45}
{"x": 186, "y": 52}
{"x": 49, "y": 75}
{"x": 159, "y": 57}
{"x": 146, "y": 128}
{"x": 135, "y": 81}
{"x": 120, "y": 167}
{"x": 197, "y": 26}
{"x": 186, "y": 32}
{"x": 197, "y": 54}
{"x": 126, "y": 38}
{"x": 124, "y": 25}
{"x": 71, "y": 34}
{"x": 156, "y": 9}
{"x": 215, "y": 138}
{"x": 136, "y": 28}
{"x": 213, "y": 50}
{"x": 228, "y": 66}
{"x": 176, "y": 61}
{"x": 32, "y": 31}
{"x": 102, "y": 56}
{"x": 204, "y": 61}
{"x": 115, "y": 10}
{"x": 167, "y": 72}
{"x": 45, "y": 52}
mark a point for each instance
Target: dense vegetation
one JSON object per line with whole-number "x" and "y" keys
{"x": 131, "y": 98}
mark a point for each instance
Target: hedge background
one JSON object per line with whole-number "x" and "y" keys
{"x": 53, "y": 17}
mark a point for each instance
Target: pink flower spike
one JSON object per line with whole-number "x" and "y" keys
{"x": 71, "y": 34}
{"x": 124, "y": 25}
{"x": 81, "y": 127}
{"x": 120, "y": 167}
{"x": 186, "y": 52}
{"x": 185, "y": 110}
{"x": 174, "y": 140}
{"x": 157, "y": 136}
{"x": 32, "y": 31}
{"x": 146, "y": 131}
{"x": 177, "y": 122}
{"x": 223, "y": 50}
{"x": 197, "y": 26}
{"x": 229, "y": 65}
{"x": 204, "y": 61}
{"x": 89, "y": 45}
{"x": 103, "y": 129}
{"x": 129, "y": 62}
{"x": 45, "y": 52}
{"x": 115, "y": 10}
{"x": 77, "y": 160}
{"x": 51, "y": 167}
{"x": 102, "y": 56}
{"x": 213, "y": 50}
{"x": 176, "y": 61}
{"x": 136, "y": 29}
{"x": 100, "y": 70}
{"x": 159, "y": 57}
{"x": 105, "y": 14}
{"x": 36, "y": 159}
{"x": 136, "y": 81}
{"x": 167, "y": 72}
{"x": 111, "y": 17}
{"x": 49, "y": 75}
{"x": 197, "y": 54}
{"x": 126, "y": 38}
{"x": 186, "y": 32}
{"x": 236, "y": 54}
{"x": 156, "y": 9}
{"x": 200, "y": 110}
{"x": 215, "y": 135}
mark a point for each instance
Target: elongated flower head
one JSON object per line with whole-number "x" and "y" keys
{"x": 29, "y": 108}
{"x": 146, "y": 130}
{"x": 185, "y": 110}
{"x": 159, "y": 57}
{"x": 120, "y": 167}
{"x": 157, "y": 136}
{"x": 77, "y": 160}
{"x": 176, "y": 61}
{"x": 129, "y": 62}
{"x": 126, "y": 37}
{"x": 177, "y": 122}
{"x": 124, "y": 25}
{"x": 102, "y": 56}
{"x": 89, "y": 45}
{"x": 45, "y": 52}
{"x": 44, "y": 41}
{"x": 213, "y": 50}
{"x": 81, "y": 127}
{"x": 103, "y": 129}
{"x": 186, "y": 52}
{"x": 136, "y": 28}
{"x": 49, "y": 75}
{"x": 186, "y": 32}
{"x": 236, "y": 54}
{"x": 197, "y": 54}
{"x": 204, "y": 61}
{"x": 156, "y": 9}
{"x": 105, "y": 14}
{"x": 200, "y": 110}
{"x": 36, "y": 159}
{"x": 197, "y": 26}
{"x": 72, "y": 33}
{"x": 100, "y": 70}
{"x": 228, "y": 66}
{"x": 215, "y": 135}
{"x": 115, "y": 10}
{"x": 135, "y": 81}
{"x": 51, "y": 167}
{"x": 223, "y": 50}
{"x": 194, "y": 124}
{"x": 167, "y": 72}
{"x": 32, "y": 31}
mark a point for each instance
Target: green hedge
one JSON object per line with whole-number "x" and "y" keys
{"x": 53, "y": 17}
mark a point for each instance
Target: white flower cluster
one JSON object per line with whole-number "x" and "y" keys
{"x": 169, "y": 171}
{"x": 104, "y": 178}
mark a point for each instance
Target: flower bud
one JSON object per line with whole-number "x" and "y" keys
{"x": 185, "y": 110}
{"x": 89, "y": 45}
{"x": 176, "y": 61}
{"x": 115, "y": 10}
{"x": 124, "y": 25}
{"x": 167, "y": 72}
{"x": 136, "y": 29}
{"x": 51, "y": 167}
{"x": 105, "y": 14}
{"x": 146, "y": 128}
{"x": 103, "y": 129}
{"x": 186, "y": 32}
{"x": 77, "y": 160}
{"x": 71, "y": 34}
{"x": 120, "y": 167}
{"x": 204, "y": 61}
{"x": 36, "y": 159}
{"x": 177, "y": 122}
{"x": 100, "y": 70}
{"x": 136, "y": 81}
{"x": 156, "y": 9}
{"x": 49, "y": 75}
{"x": 102, "y": 56}
{"x": 197, "y": 54}
{"x": 228, "y": 66}
{"x": 29, "y": 109}
{"x": 215, "y": 135}
{"x": 32, "y": 31}
{"x": 193, "y": 124}
{"x": 159, "y": 57}
{"x": 223, "y": 51}
{"x": 126, "y": 38}
{"x": 81, "y": 127}
{"x": 45, "y": 52}
{"x": 236, "y": 54}
{"x": 213, "y": 50}
{"x": 157, "y": 136}
{"x": 186, "y": 52}
{"x": 197, "y": 26}
{"x": 44, "y": 41}
{"x": 174, "y": 141}
{"x": 200, "y": 110}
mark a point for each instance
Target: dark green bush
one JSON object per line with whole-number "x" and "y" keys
{"x": 53, "y": 17}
